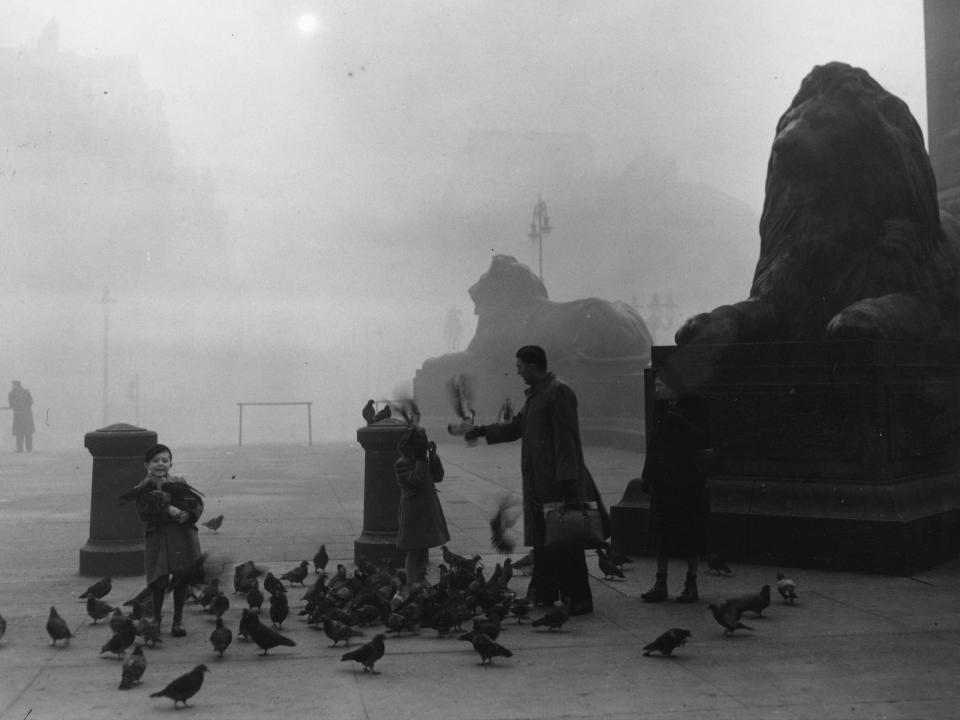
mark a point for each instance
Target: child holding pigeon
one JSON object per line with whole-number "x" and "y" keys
{"x": 170, "y": 508}
{"x": 422, "y": 524}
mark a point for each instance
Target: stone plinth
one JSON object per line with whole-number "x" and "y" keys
{"x": 115, "y": 545}
{"x": 837, "y": 455}
{"x": 381, "y": 493}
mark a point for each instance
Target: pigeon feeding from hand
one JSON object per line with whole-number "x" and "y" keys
{"x": 214, "y": 523}
{"x": 98, "y": 590}
{"x": 503, "y": 519}
{"x": 184, "y": 687}
{"x": 134, "y": 665}
{"x": 787, "y": 589}
{"x": 667, "y": 642}
{"x": 368, "y": 653}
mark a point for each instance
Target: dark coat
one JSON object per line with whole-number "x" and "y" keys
{"x": 21, "y": 402}
{"x": 421, "y": 520}
{"x": 551, "y": 453}
{"x": 679, "y": 502}
{"x": 169, "y": 546}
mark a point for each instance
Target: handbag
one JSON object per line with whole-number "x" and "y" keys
{"x": 577, "y": 524}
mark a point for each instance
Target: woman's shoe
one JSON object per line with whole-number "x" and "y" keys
{"x": 178, "y": 630}
{"x": 689, "y": 593}
{"x": 658, "y": 593}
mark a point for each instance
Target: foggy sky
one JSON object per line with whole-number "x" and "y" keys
{"x": 329, "y": 151}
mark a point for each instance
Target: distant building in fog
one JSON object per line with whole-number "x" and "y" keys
{"x": 87, "y": 163}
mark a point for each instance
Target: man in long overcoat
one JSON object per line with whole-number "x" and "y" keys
{"x": 21, "y": 402}
{"x": 553, "y": 470}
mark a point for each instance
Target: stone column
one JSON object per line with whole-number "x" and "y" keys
{"x": 381, "y": 494}
{"x": 115, "y": 546}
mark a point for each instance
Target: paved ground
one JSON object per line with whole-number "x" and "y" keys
{"x": 856, "y": 646}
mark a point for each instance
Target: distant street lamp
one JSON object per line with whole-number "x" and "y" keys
{"x": 540, "y": 227}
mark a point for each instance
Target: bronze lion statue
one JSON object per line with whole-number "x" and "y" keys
{"x": 851, "y": 239}
{"x": 512, "y": 309}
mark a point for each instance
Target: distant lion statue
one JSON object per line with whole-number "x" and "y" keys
{"x": 512, "y": 310}
{"x": 851, "y": 240}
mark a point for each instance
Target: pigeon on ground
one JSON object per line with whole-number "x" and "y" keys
{"x": 320, "y": 559}
{"x": 369, "y": 412}
{"x": 255, "y": 596}
{"x": 184, "y": 687}
{"x": 120, "y": 641}
{"x": 337, "y": 631}
{"x": 134, "y": 665}
{"x": 243, "y": 574}
{"x": 451, "y": 558}
{"x": 263, "y": 636}
{"x": 787, "y": 589}
{"x": 3, "y": 627}
{"x": 524, "y": 564}
{"x": 209, "y": 592}
{"x": 221, "y": 637}
{"x": 213, "y": 523}
{"x": 273, "y": 585}
{"x": 520, "y": 609}
{"x": 756, "y": 603}
{"x": 368, "y": 653}
{"x": 554, "y": 618}
{"x": 716, "y": 565}
{"x": 489, "y": 649}
{"x": 279, "y": 609}
{"x": 667, "y": 642}
{"x": 57, "y": 627}
{"x": 220, "y": 604}
{"x": 97, "y": 609}
{"x": 298, "y": 574}
{"x": 144, "y": 597}
{"x": 149, "y": 630}
{"x": 728, "y": 616}
{"x": 609, "y": 569}
{"x": 98, "y": 590}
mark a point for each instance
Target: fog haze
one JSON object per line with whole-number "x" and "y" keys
{"x": 307, "y": 205}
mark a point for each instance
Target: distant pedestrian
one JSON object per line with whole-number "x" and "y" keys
{"x": 422, "y": 524}
{"x": 21, "y": 402}
{"x": 170, "y": 508}
{"x": 673, "y": 475}
{"x": 453, "y": 328}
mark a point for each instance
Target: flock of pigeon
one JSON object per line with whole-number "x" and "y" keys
{"x": 344, "y": 605}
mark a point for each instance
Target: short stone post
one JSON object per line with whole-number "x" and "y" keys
{"x": 381, "y": 494}
{"x": 115, "y": 546}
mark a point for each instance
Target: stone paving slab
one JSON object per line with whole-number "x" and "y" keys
{"x": 857, "y": 646}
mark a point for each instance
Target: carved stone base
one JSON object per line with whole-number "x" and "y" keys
{"x": 840, "y": 456}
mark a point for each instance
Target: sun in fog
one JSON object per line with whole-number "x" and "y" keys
{"x": 308, "y": 24}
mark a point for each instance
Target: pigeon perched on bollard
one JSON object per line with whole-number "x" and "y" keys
{"x": 57, "y": 627}
{"x": 369, "y": 412}
{"x": 368, "y": 653}
{"x": 667, "y": 642}
{"x": 787, "y": 589}
{"x": 100, "y": 589}
{"x": 134, "y": 665}
{"x": 184, "y": 687}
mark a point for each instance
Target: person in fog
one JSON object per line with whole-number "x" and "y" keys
{"x": 422, "y": 524}
{"x": 169, "y": 508}
{"x": 21, "y": 402}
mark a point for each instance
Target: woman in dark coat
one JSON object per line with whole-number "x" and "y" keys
{"x": 421, "y": 523}
{"x": 170, "y": 508}
{"x": 673, "y": 474}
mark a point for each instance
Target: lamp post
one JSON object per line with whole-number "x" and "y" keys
{"x": 539, "y": 227}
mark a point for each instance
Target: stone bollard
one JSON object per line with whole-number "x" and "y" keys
{"x": 381, "y": 494}
{"x": 115, "y": 546}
